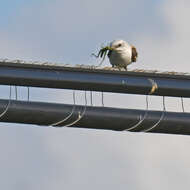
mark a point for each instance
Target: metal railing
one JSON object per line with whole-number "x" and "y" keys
{"x": 52, "y": 76}
{"x": 105, "y": 118}
{"x": 93, "y": 79}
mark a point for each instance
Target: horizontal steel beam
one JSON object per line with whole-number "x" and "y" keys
{"x": 94, "y": 117}
{"x": 54, "y": 76}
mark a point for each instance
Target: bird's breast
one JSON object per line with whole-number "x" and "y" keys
{"x": 120, "y": 57}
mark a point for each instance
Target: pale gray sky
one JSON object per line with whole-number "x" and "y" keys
{"x": 70, "y": 158}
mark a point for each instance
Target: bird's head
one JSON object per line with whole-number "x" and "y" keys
{"x": 118, "y": 45}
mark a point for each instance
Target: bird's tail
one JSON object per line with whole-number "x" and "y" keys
{"x": 134, "y": 54}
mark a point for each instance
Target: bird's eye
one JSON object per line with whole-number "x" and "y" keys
{"x": 119, "y": 45}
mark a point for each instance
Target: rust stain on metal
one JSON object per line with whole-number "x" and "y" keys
{"x": 154, "y": 86}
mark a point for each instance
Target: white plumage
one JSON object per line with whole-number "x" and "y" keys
{"x": 121, "y": 54}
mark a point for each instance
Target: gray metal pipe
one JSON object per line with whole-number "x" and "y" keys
{"x": 94, "y": 118}
{"x": 93, "y": 79}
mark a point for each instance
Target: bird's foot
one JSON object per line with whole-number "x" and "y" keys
{"x": 122, "y": 69}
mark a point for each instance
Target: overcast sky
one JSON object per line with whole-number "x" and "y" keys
{"x": 68, "y": 31}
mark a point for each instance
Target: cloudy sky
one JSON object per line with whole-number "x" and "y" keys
{"x": 68, "y": 31}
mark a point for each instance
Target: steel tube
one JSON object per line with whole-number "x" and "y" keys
{"x": 94, "y": 118}
{"x": 93, "y": 79}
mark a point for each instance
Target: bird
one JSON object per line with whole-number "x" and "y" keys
{"x": 121, "y": 54}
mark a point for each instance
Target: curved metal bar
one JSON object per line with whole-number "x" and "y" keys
{"x": 80, "y": 116}
{"x": 182, "y": 105}
{"x": 72, "y": 111}
{"x": 154, "y": 87}
{"x": 102, "y": 99}
{"x": 8, "y": 105}
{"x": 161, "y": 118}
{"x": 141, "y": 119}
{"x": 91, "y": 98}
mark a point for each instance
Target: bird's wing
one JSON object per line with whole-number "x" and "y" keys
{"x": 134, "y": 54}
